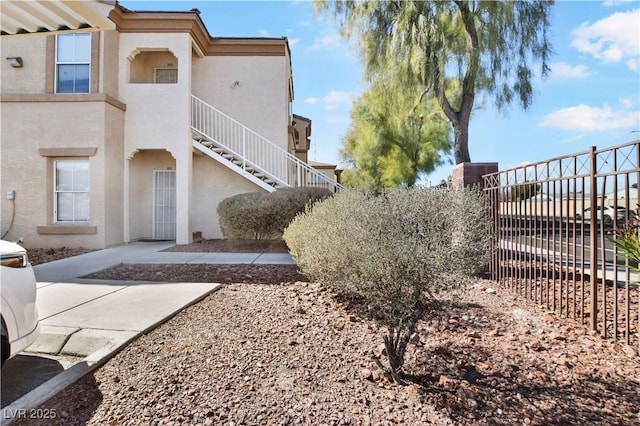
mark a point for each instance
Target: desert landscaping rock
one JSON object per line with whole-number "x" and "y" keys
{"x": 288, "y": 353}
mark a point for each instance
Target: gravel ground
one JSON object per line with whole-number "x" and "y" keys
{"x": 44, "y": 255}
{"x": 288, "y": 353}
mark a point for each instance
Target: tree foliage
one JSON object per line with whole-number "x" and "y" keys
{"x": 393, "y": 139}
{"x": 486, "y": 46}
{"x": 525, "y": 191}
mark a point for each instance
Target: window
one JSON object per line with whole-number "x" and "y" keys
{"x": 73, "y": 61}
{"x": 71, "y": 200}
{"x": 166, "y": 76}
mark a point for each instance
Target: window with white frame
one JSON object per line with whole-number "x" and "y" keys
{"x": 71, "y": 199}
{"x": 73, "y": 62}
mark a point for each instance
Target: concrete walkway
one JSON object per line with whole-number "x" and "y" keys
{"x": 94, "y": 319}
{"x": 145, "y": 252}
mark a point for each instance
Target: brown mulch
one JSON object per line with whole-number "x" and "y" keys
{"x": 232, "y": 246}
{"x": 38, "y": 255}
{"x": 223, "y": 274}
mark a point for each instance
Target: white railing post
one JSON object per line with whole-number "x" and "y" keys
{"x": 244, "y": 149}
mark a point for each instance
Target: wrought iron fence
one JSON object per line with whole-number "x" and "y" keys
{"x": 554, "y": 223}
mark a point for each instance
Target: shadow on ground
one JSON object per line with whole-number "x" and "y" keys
{"x": 24, "y": 373}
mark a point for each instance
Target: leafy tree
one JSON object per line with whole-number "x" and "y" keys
{"x": 486, "y": 46}
{"x": 392, "y": 139}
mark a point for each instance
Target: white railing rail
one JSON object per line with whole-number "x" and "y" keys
{"x": 257, "y": 153}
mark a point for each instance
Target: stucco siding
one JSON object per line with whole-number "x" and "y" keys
{"x": 158, "y": 116}
{"x": 28, "y": 155}
{"x": 110, "y": 63}
{"x": 213, "y": 183}
{"x": 259, "y": 101}
{"x": 114, "y": 177}
{"x": 31, "y": 77}
{"x": 141, "y": 168}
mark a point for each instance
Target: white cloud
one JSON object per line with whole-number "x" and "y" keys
{"x": 264, "y": 33}
{"x": 626, "y": 102}
{"x": 336, "y": 98}
{"x": 563, "y": 71}
{"x": 329, "y": 41}
{"x": 585, "y": 118}
{"x": 293, "y": 41}
{"x": 609, "y": 3}
{"x": 613, "y": 39}
{"x": 311, "y": 100}
{"x": 633, "y": 64}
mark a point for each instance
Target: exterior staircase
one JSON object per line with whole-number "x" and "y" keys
{"x": 237, "y": 147}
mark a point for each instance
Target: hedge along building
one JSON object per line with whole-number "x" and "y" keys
{"x": 138, "y": 132}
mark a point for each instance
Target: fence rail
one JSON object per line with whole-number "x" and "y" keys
{"x": 554, "y": 222}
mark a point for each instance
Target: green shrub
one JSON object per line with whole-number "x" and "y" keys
{"x": 260, "y": 215}
{"x": 626, "y": 239}
{"x": 390, "y": 255}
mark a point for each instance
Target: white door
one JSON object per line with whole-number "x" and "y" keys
{"x": 164, "y": 205}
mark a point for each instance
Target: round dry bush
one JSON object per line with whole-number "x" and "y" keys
{"x": 260, "y": 215}
{"x": 392, "y": 253}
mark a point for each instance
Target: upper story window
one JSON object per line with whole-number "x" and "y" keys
{"x": 73, "y": 62}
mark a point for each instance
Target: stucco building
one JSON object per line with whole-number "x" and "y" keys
{"x": 138, "y": 132}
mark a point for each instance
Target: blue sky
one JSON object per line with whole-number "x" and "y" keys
{"x": 592, "y": 96}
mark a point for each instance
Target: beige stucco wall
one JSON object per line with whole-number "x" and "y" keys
{"x": 110, "y": 62}
{"x": 29, "y": 78}
{"x": 158, "y": 117}
{"x": 114, "y": 201}
{"x": 215, "y": 182}
{"x": 157, "y": 128}
{"x": 141, "y": 168}
{"x": 260, "y": 101}
{"x": 55, "y": 125}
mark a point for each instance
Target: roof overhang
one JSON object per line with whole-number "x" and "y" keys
{"x": 53, "y": 16}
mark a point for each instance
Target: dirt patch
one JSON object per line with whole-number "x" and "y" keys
{"x": 44, "y": 255}
{"x": 233, "y": 246}
{"x": 224, "y": 274}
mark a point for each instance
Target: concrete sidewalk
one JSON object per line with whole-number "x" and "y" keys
{"x": 93, "y": 319}
{"x": 145, "y": 252}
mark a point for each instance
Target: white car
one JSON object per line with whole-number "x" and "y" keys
{"x": 607, "y": 212}
{"x": 20, "y": 327}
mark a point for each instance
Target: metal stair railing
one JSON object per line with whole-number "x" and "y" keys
{"x": 257, "y": 153}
